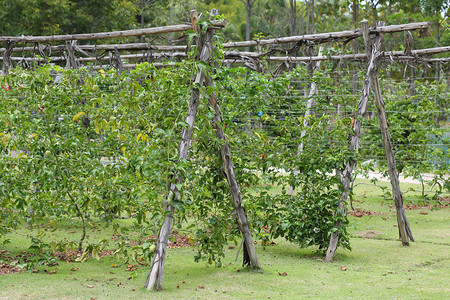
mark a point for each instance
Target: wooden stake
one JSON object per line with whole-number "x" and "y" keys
{"x": 403, "y": 224}
{"x": 71, "y": 60}
{"x": 7, "y": 63}
{"x": 250, "y": 258}
{"x": 155, "y": 276}
{"x": 309, "y": 106}
{"x": 354, "y": 145}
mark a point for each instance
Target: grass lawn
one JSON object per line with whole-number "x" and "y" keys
{"x": 377, "y": 267}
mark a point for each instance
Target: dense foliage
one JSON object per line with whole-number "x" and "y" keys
{"x": 83, "y": 144}
{"x": 269, "y": 17}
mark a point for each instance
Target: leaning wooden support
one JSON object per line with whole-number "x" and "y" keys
{"x": 403, "y": 224}
{"x": 354, "y": 145}
{"x": 250, "y": 258}
{"x": 404, "y": 228}
{"x": 155, "y": 276}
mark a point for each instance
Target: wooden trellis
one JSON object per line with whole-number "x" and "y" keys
{"x": 75, "y": 55}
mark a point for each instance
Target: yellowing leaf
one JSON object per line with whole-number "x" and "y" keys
{"x": 123, "y": 150}
{"x": 102, "y": 72}
{"x": 78, "y": 115}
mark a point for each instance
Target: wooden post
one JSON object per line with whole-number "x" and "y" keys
{"x": 117, "y": 61}
{"x": 403, "y": 224}
{"x": 155, "y": 275}
{"x": 71, "y": 60}
{"x": 250, "y": 258}
{"x": 7, "y": 62}
{"x": 309, "y": 106}
{"x": 354, "y": 142}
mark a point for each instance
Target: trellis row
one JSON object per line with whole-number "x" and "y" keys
{"x": 373, "y": 55}
{"x": 232, "y": 56}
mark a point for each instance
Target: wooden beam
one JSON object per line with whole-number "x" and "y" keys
{"x": 316, "y": 38}
{"x": 104, "y": 35}
{"x": 325, "y": 37}
{"x": 363, "y": 105}
{"x": 402, "y": 222}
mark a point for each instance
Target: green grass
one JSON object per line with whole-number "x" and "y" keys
{"x": 375, "y": 268}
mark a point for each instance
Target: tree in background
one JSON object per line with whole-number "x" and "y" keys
{"x": 248, "y": 9}
{"x": 49, "y": 17}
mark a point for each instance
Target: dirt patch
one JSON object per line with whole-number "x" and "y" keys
{"x": 360, "y": 213}
{"x": 8, "y": 269}
{"x": 424, "y": 206}
{"x": 369, "y": 234}
{"x": 72, "y": 255}
{"x": 176, "y": 240}
{"x": 444, "y": 200}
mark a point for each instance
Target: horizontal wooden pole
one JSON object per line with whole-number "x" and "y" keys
{"x": 325, "y": 37}
{"x": 90, "y": 59}
{"x": 359, "y": 56}
{"x": 104, "y": 35}
{"x": 132, "y": 46}
{"x": 316, "y": 38}
{"x": 255, "y": 55}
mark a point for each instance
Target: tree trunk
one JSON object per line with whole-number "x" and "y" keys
{"x": 292, "y": 17}
{"x": 313, "y": 15}
{"x": 155, "y": 276}
{"x": 248, "y": 9}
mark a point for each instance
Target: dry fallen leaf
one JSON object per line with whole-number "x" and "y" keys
{"x": 89, "y": 286}
{"x": 423, "y": 213}
{"x": 282, "y": 274}
{"x": 343, "y": 268}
